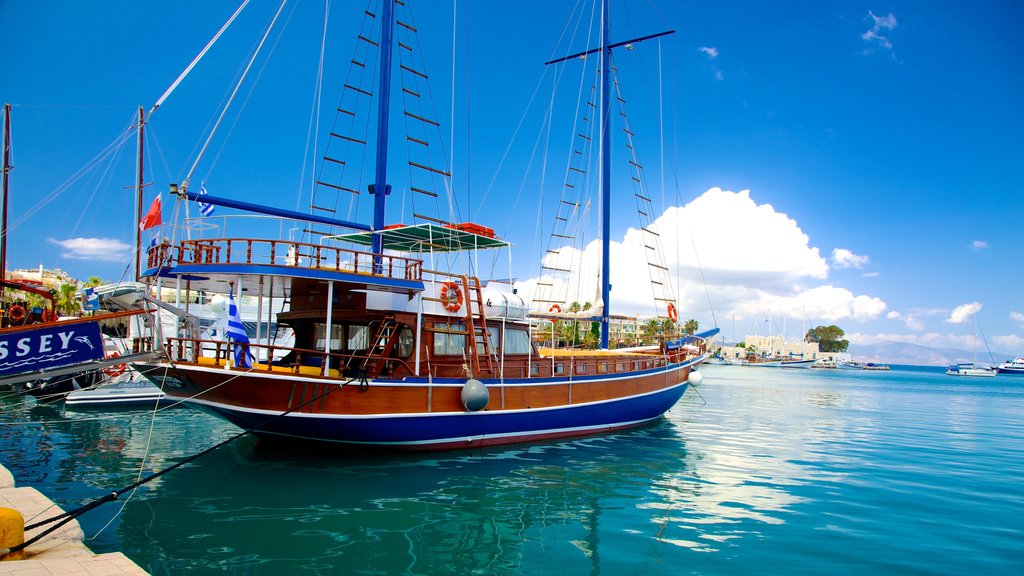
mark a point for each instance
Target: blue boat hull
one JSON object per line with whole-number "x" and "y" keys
{"x": 435, "y": 431}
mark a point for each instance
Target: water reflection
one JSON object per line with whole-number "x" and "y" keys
{"x": 455, "y": 513}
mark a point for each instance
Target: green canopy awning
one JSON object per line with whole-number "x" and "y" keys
{"x": 424, "y": 238}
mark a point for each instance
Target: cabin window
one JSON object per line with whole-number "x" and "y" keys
{"x": 406, "y": 343}
{"x": 492, "y": 338}
{"x": 620, "y": 366}
{"x": 320, "y": 332}
{"x": 602, "y": 367}
{"x": 558, "y": 369}
{"x": 446, "y": 343}
{"x": 358, "y": 337}
{"x": 517, "y": 342}
{"x": 535, "y": 370}
{"x": 581, "y": 368}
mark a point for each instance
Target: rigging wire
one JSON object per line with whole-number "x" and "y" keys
{"x": 196, "y": 60}
{"x": 199, "y": 157}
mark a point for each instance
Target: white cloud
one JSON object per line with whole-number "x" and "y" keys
{"x": 1009, "y": 342}
{"x": 710, "y": 51}
{"x": 843, "y": 258}
{"x": 874, "y": 35}
{"x": 755, "y": 261}
{"x": 979, "y": 245}
{"x": 105, "y": 249}
{"x": 963, "y": 313}
{"x": 910, "y": 320}
{"x": 1017, "y": 316}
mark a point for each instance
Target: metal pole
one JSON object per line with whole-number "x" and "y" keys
{"x": 380, "y": 188}
{"x": 139, "y": 177}
{"x": 7, "y": 168}
{"x": 606, "y": 204}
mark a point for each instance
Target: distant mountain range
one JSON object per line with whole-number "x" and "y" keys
{"x": 917, "y": 355}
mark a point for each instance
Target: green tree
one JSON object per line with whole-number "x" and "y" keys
{"x": 67, "y": 298}
{"x": 828, "y": 338}
{"x": 691, "y": 326}
{"x": 93, "y": 282}
{"x": 650, "y": 331}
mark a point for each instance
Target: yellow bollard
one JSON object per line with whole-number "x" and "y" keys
{"x": 12, "y": 532}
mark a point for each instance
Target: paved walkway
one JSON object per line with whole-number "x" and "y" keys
{"x": 61, "y": 552}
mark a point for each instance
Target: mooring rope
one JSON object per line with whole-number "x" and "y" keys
{"x": 69, "y": 516}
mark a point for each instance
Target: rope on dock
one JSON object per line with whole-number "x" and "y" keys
{"x": 66, "y": 517}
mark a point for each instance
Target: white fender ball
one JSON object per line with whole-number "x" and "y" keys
{"x": 695, "y": 378}
{"x": 474, "y": 395}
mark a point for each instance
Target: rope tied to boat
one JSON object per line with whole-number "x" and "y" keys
{"x": 62, "y": 519}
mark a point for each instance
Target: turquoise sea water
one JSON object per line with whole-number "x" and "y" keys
{"x": 780, "y": 472}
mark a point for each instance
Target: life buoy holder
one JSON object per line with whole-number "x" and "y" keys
{"x": 555, "y": 308}
{"x": 673, "y": 314}
{"x": 16, "y": 313}
{"x": 114, "y": 370}
{"x": 49, "y": 316}
{"x": 451, "y": 296}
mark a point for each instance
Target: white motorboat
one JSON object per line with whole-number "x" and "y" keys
{"x": 970, "y": 369}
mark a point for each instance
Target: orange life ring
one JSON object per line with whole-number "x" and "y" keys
{"x": 114, "y": 370}
{"x": 16, "y": 313}
{"x": 451, "y": 296}
{"x": 673, "y": 314}
{"x": 555, "y": 308}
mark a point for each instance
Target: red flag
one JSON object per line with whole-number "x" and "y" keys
{"x": 152, "y": 218}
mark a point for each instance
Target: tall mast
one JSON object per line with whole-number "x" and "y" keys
{"x": 139, "y": 175}
{"x": 606, "y": 153}
{"x": 380, "y": 188}
{"x": 606, "y": 137}
{"x": 3, "y": 219}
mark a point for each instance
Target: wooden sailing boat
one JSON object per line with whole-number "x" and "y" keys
{"x": 388, "y": 352}
{"x": 35, "y": 349}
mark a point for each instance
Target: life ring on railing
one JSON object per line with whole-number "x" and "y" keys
{"x": 673, "y": 314}
{"x": 451, "y": 296}
{"x": 555, "y": 308}
{"x": 114, "y": 370}
{"x": 49, "y": 316}
{"x": 16, "y": 313}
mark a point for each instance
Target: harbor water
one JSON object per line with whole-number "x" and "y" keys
{"x": 767, "y": 471}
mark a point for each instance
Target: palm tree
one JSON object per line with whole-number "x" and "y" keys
{"x": 93, "y": 282}
{"x": 691, "y": 326}
{"x": 67, "y": 298}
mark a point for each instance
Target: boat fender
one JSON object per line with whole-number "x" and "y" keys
{"x": 474, "y": 395}
{"x": 695, "y": 378}
{"x": 12, "y": 533}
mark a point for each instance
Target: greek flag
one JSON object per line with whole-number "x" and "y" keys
{"x": 205, "y": 209}
{"x": 236, "y": 332}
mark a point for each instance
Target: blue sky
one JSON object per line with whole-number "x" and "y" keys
{"x": 856, "y": 163}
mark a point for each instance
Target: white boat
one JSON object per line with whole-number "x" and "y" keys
{"x": 849, "y": 365}
{"x": 970, "y": 369}
{"x": 826, "y": 363}
{"x": 1015, "y": 366}
{"x": 127, "y": 392}
{"x": 805, "y": 363}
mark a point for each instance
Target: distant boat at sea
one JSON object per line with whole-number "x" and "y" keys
{"x": 970, "y": 369}
{"x": 1015, "y": 366}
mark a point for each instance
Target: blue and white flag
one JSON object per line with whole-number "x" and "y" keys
{"x": 205, "y": 209}
{"x": 236, "y": 332}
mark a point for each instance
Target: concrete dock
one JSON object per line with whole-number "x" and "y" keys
{"x": 62, "y": 552}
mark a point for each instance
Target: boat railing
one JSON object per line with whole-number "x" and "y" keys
{"x": 296, "y": 360}
{"x": 250, "y": 251}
